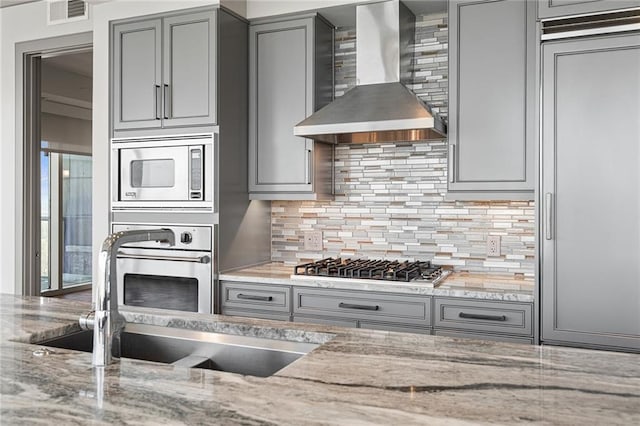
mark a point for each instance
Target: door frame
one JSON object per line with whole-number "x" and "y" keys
{"x": 27, "y": 202}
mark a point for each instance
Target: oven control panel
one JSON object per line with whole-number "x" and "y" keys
{"x": 187, "y": 237}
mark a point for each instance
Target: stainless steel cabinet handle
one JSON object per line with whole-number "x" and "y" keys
{"x": 362, "y": 307}
{"x": 309, "y": 166}
{"x": 157, "y": 100}
{"x": 548, "y": 215}
{"x": 483, "y": 317}
{"x": 167, "y": 102}
{"x": 254, "y": 297}
{"x": 199, "y": 259}
{"x": 452, "y": 162}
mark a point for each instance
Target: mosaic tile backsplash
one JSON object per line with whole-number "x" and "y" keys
{"x": 390, "y": 198}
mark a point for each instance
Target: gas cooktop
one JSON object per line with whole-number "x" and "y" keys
{"x": 385, "y": 270}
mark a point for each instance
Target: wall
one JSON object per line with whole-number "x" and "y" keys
{"x": 25, "y": 23}
{"x": 391, "y": 196}
{"x": 17, "y": 24}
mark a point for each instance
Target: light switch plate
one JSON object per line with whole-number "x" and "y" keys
{"x": 313, "y": 241}
{"x": 493, "y": 245}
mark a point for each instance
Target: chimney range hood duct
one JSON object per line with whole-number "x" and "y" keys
{"x": 380, "y": 108}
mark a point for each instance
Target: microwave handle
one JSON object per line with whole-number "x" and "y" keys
{"x": 200, "y": 259}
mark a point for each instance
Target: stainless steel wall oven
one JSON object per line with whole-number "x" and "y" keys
{"x": 163, "y": 173}
{"x": 154, "y": 275}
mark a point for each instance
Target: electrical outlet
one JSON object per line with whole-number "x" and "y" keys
{"x": 493, "y": 245}
{"x": 313, "y": 241}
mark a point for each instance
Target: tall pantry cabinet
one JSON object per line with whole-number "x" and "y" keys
{"x": 590, "y": 242}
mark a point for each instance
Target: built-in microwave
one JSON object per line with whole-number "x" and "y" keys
{"x": 163, "y": 173}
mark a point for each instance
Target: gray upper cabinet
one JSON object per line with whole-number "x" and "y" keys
{"x": 137, "y": 79}
{"x": 590, "y": 240}
{"x": 491, "y": 99}
{"x": 164, "y": 72}
{"x": 290, "y": 77}
{"x": 560, "y": 8}
{"x": 189, "y": 70}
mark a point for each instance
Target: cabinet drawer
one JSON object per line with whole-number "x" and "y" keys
{"x": 361, "y": 305}
{"x": 255, "y": 296}
{"x": 480, "y": 315}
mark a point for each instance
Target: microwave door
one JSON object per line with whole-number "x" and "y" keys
{"x": 154, "y": 174}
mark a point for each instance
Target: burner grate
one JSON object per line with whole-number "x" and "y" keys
{"x": 370, "y": 269}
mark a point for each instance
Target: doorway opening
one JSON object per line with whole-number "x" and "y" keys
{"x": 59, "y": 170}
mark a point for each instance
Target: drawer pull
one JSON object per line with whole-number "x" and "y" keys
{"x": 363, "y": 307}
{"x": 483, "y": 317}
{"x": 254, "y": 297}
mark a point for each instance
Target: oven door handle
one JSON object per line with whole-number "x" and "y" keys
{"x": 200, "y": 259}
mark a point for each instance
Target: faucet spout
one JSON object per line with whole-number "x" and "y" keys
{"x": 107, "y": 321}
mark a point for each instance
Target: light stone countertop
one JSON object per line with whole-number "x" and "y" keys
{"x": 357, "y": 377}
{"x": 458, "y": 284}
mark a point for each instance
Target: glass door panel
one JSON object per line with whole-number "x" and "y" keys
{"x": 65, "y": 220}
{"x": 45, "y": 278}
{"x": 76, "y": 219}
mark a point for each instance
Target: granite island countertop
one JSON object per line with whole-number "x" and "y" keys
{"x": 356, "y": 377}
{"x": 457, "y": 284}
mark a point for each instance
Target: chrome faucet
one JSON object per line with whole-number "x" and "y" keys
{"x": 105, "y": 320}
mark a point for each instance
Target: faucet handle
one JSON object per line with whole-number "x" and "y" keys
{"x": 87, "y": 320}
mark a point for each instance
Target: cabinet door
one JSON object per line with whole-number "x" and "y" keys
{"x": 364, "y": 306}
{"x": 484, "y": 316}
{"x": 281, "y": 94}
{"x": 137, "y": 75}
{"x": 591, "y": 192}
{"x": 255, "y": 296}
{"x": 558, "y": 8}
{"x": 189, "y": 86}
{"x": 492, "y": 91}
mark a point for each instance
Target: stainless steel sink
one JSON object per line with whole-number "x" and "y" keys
{"x": 196, "y": 349}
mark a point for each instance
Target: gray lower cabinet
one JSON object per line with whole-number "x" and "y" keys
{"x": 483, "y": 318}
{"x": 290, "y": 77}
{"x": 381, "y": 311}
{"x": 405, "y": 313}
{"x": 560, "y": 8}
{"x": 255, "y": 300}
{"x": 492, "y": 91}
{"x": 164, "y": 71}
{"x": 590, "y": 236}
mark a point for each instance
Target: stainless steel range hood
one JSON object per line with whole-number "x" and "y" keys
{"x": 380, "y": 108}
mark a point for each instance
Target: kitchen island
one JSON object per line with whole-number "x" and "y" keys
{"x": 356, "y": 376}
